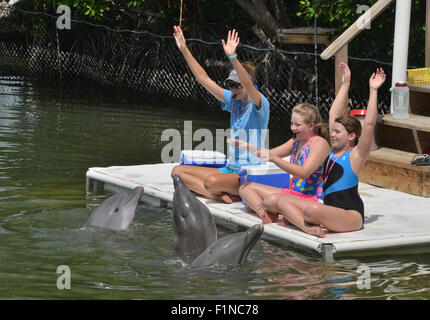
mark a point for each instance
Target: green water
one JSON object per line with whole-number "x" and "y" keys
{"x": 48, "y": 139}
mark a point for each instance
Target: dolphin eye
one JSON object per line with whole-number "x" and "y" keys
{"x": 116, "y": 209}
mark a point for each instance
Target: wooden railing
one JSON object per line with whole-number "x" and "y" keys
{"x": 339, "y": 47}
{"x": 355, "y": 28}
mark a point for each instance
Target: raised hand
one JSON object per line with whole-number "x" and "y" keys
{"x": 264, "y": 154}
{"x": 179, "y": 38}
{"x": 377, "y": 79}
{"x": 232, "y": 42}
{"x": 345, "y": 72}
{"x": 238, "y": 143}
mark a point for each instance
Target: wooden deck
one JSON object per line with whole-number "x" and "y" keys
{"x": 395, "y": 222}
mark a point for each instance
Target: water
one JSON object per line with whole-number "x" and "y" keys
{"x": 48, "y": 139}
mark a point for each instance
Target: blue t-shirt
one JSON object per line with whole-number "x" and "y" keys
{"x": 247, "y": 123}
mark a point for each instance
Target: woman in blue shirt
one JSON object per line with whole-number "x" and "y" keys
{"x": 249, "y": 115}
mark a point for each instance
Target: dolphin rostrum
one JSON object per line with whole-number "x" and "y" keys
{"x": 117, "y": 211}
{"x": 229, "y": 250}
{"x": 193, "y": 224}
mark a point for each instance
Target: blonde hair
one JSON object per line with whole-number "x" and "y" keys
{"x": 311, "y": 114}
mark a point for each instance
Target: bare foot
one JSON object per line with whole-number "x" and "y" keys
{"x": 284, "y": 222}
{"x": 316, "y": 231}
{"x": 236, "y": 198}
{"x": 226, "y": 198}
{"x": 265, "y": 218}
{"x": 273, "y": 216}
{"x": 268, "y": 217}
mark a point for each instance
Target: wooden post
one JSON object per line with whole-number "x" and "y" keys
{"x": 428, "y": 34}
{"x": 341, "y": 56}
{"x": 180, "y": 14}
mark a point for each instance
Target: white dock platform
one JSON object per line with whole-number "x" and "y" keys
{"x": 395, "y": 222}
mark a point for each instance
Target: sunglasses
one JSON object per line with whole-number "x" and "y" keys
{"x": 233, "y": 85}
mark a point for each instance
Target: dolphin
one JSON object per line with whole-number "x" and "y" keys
{"x": 193, "y": 224}
{"x": 117, "y": 211}
{"x": 229, "y": 250}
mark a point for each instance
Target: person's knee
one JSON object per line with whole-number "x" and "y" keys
{"x": 211, "y": 182}
{"x": 310, "y": 213}
{"x": 176, "y": 171}
{"x": 282, "y": 201}
{"x": 270, "y": 202}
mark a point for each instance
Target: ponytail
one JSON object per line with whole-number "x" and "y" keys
{"x": 311, "y": 114}
{"x": 321, "y": 129}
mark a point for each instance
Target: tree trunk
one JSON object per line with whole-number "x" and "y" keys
{"x": 258, "y": 12}
{"x": 281, "y": 13}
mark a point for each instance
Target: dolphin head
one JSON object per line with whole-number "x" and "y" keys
{"x": 117, "y": 212}
{"x": 177, "y": 181}
{"x": 182, "y": 202}
{"x": 230, "y": 250}
{"x": 249, "y": 238}
{"x": 193, "y": 223}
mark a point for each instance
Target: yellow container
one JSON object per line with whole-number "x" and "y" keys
{"x": 419, "y": 76}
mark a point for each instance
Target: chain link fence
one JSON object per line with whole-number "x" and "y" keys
{"x": 145, "y": 64}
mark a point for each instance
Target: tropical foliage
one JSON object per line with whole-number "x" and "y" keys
{"x": 210, "y": 19}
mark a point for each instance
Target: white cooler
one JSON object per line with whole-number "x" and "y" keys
{"x": 269, "y": 174}
{"x": 203, "y": 158}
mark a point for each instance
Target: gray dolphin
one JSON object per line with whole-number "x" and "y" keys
{"x": 117, "y": 211}
{"x": 193, "y": 224}
{"x": 229, "y": 250}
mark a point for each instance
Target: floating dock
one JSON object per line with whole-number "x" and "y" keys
{"x": 395, "y": 222}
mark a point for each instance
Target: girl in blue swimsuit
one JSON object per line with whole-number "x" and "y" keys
{"x": 343, "y": 209}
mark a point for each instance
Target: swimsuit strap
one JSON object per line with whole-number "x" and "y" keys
{"x": 331, "y": 167}
{"x": 293, "y": 154}
{"x": 296, "y": 147}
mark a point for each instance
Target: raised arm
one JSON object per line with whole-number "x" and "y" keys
{"x": 230, "y": 51}
{"x": 364, "y": 143}
{"x": 338, "y": 107}
{"x": 197, "y": 70}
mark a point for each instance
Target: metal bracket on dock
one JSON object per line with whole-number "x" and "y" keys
{"x": 327, "y": 252}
